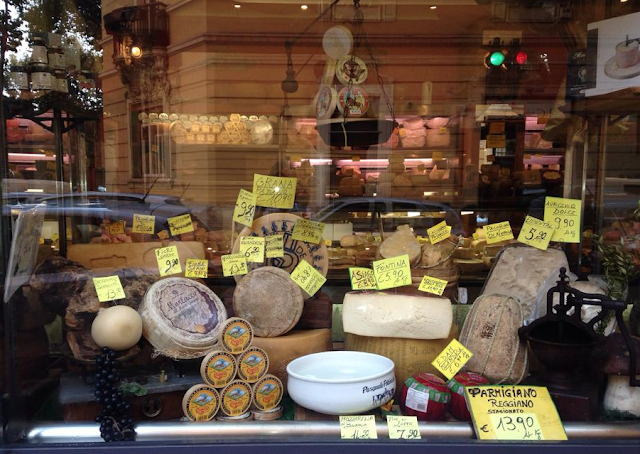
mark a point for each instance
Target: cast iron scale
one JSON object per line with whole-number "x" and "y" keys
{"x": 563, "y": 344}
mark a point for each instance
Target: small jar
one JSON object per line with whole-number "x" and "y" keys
{"x": 41, "y": 79}
{"x": 38, "y": 50}
{"x": 57, "y": 59}
{"x": 60, "y": 83}
{"x": 18, "y": 81}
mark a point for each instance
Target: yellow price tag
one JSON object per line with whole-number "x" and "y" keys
{"x": 437, "y": 156}
{"x": 308, "y": 278}
{"x": 500, "y": 231}
{"x": 535, "y": 233}
{"x": 362, "y": 278}
{"x": 475, "y": 236}
{"x": 117, "y": 228}
{"x": 496, "y": 127}
{"x": 274, "y": 192}
{"x": 245, "y": 208}
{"x": 55, "y": 237}
{"x": 423, "y": 240}
{"x": 108, "y": 288}
{"x": 432, "y": 285}
{"x": 252, "y": 247}
{"x": 452, "y": 359}
{"x": 180, "y": 224}
{"x": 328, "y": 243}
{"x": 393, "y": 272}
{"x": 168, "y": 260}
{"x": 361, "y": 427}
{"x": 143, "y": 223}
{"x": 564, "y": 216}
{"x": 492, "y": 411}
{"x": 309, "y": 231}
{"x": 198, "y": 268}
{"x": 163, "y": 234}
{"x": 439, "y": 232}
{"x": 234, "y": 265}
{"x": 403, "y": 427}
{"x": 274, "y": 246}
{"x": 377, "y": 239}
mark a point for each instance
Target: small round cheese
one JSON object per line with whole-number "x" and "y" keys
{"x": 118, "y": 327}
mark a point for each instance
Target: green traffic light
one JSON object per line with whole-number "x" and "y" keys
{"x": 496, "y": 58}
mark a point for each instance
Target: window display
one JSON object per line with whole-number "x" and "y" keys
{"x": 336, "y": 221}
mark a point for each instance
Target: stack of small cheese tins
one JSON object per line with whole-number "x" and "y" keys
{"x": 236, "y": 380}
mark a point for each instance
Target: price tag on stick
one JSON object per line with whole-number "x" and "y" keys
{"x": 362, "y": 278}
{"x": 452, "y": 359}
{"x": 496, "y": 415}
{"x": 143, "y": 223}
{"x": 393, "y": 272}
{"x": 433, "y": 285}
{"x": 180, "y": 224}
{"x": 308, "y": 278}
{"x": 564, "y": 216}
{"x": 108, "y": 288}
{"x": 253, "y": 248}
{"x": 234, "y": 265}
{"x": 117, "y": 228}
{"x": 439, "y": 232}
{"x": 198, "y": 268}
{"x": 498, "y": 232}
{"x": 308, "y": 231}
{"x": 168, "y": 260}
{"x": 274, "y": 246}
{"x": 536, "y": 233}
{"x": 245, "y": 208}
{"x": 403, "y": 427}
{"x": 358, "y": 427}
{"x": 274, "y": 192}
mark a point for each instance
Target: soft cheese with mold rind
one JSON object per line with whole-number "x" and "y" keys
{"x": 380, "y": 314}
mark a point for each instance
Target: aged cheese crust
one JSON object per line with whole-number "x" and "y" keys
{"x": 380, "y": 314}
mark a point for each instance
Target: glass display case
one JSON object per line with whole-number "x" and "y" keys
{"x": 240, "y": 224}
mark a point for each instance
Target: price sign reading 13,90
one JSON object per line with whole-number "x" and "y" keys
{"x": 523, "y": 426}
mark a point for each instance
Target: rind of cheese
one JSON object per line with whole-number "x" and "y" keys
{"x": 401, "y": 242}
{"x": 379, "y": 314}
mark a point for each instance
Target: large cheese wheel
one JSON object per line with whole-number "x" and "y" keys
{"x": 284, "y": 349}
{"x": 410, "y": 356}
{"x": 403, "y": 241}
{"x": 181, "y": 318}
{"x": 491, "y": 333}
{"x": 269, "y": 300}
{"x": 380, "y": 314}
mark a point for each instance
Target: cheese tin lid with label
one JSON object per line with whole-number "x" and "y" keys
{"x": 235, "y": 399}
{"x": 248, "y": 416}
{"x": 269, "y": 415}
{"x": 326, "y": 102}
{"x": 337, "y": 42}
{"x": 236, "y": 335}
{"x": 353, "y": 102}
{"x": 253, "y": 364}
{"x": 201, "y": 403}
{"x": 218, "y": 368}
{"x": 267, "y": 393}
{"x": 351, "y": 69}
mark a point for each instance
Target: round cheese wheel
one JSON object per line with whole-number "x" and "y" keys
{"x": 235, "y": 398}
{"x": 353, "y": 102}
{"x": 458, "y": 407}
{"x": 284, "y": 349}
{"x": 351, "y": 68}
{"x": 201, "y": 403}
{"x": 218, "y": 368}
{"x": 337, "y": 42}
{"x": 253, "y": 365}
{"x": 181, "y": 318}
{"x": 326, "y": 102}
{"x": 267, "y": 393}
{"x": 269, "y": 300}
{"x": 236, "y": 335}
{"x": 117, "y": 327}
{"x": 425, "y": 396}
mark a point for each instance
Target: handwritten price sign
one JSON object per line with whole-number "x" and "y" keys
{"x": 393, "y": 272}
{"x": 500, "y": 231}
{"x": 180, "y": 224}
{"x": 168, "y": 260}
{"x": 536, "y": 233}
{"x": 403, "y": 427}
{"x": 362, "y": 278}
{"x": 493, "y": 410}
{"x": 308, "y": 278}
{"x": 108, "y": 288}
{"x": 308, "y": 231}
{"x": 143, "y": 223}
{"x": 439, "y": 232}
{"x": 234, "y": 265}
{"x": 198, "y": 268}
{"x": 358, "y": 427}
{"x": 245, "y": 208}
{"x": 564, "y": 216}
{"x": 452, "y": 358}
{"x": 274, "y": 192}
{"x": 433, "y": 285}
{"x": 117, "y": 228}
{"x": 252, "y": 247}
{"x": 274, "y": 246}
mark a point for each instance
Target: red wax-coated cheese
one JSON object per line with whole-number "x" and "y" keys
{"x": 425, "y": 396}
{"x": 458, "y": 407}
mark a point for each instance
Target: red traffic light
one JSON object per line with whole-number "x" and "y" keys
{"x": 521, "y": 57}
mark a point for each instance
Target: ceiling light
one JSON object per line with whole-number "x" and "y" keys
{"x": 433, "y": 7}
{"x": 304, "y": 7}
{"x": 136, "y": 52}
{"x": 237, "y": 5}
{"x": 624, "y": 1}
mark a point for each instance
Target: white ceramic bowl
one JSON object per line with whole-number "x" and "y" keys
{"x": 342, "y": 382}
